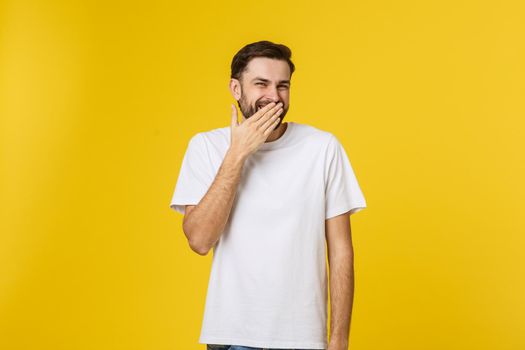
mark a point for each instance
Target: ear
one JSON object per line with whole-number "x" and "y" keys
{"x": 235, "y": 89}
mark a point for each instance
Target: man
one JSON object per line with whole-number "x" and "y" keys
{"x": 266, "y": 195}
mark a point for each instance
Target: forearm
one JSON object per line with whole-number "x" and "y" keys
{"x": 341, "y": 296}
{"x": 206, "y": 222}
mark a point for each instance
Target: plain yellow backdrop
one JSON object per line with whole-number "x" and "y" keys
{"x": 99, "y": 99}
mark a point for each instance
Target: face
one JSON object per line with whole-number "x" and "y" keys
{"x": 265, "y": 80}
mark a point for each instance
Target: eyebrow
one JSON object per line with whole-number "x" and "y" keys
{"x": 267, "y": 81}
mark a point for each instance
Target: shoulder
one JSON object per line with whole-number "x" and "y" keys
{"x": 315, "y": 135}
{"x": 203, "y": 138}
{"x": 215, "y": 136}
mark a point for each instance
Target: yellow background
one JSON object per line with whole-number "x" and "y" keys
{"x": 98, "y": 101}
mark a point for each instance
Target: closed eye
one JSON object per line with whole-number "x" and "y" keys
{"x": 282, "y": 86}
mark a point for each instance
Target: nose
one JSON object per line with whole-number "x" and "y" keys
{"x": 273, "y": 95}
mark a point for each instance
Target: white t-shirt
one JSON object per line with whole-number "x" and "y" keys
{"x": 268, "y": 281}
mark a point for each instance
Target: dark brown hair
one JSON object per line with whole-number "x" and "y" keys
{"x": 261, "y": 48}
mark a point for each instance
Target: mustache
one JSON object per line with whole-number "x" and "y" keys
{"x": 261, "y": 105}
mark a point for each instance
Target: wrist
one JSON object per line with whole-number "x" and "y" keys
{"x": 342, "y": 341}
{"x": 236, "y": 155}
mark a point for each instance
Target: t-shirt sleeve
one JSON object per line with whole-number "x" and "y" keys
{"x": 195, "y": 176}
{"x": 342, "y": 191}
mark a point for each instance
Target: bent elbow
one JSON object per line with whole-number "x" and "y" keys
{"x": 198, "y": 248}
{"x": 194, "y": 240}
{"x": 200, "y": 251}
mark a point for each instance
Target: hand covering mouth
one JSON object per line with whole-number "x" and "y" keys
{"x": 261, "y": 106}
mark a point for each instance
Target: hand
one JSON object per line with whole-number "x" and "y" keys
{"x": 248, "y": 136}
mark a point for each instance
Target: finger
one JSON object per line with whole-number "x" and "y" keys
{"x": 271, "y": 127}
{"x": 270, "y": 123}
{"x": 261, "y": 112}
{"x": 268, "y": 115}
{"x": 234, "y": 120}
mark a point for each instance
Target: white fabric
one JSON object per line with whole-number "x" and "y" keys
{"x": 268, "y": 281}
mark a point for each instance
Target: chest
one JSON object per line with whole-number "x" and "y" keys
{"x": 282, "y": 180}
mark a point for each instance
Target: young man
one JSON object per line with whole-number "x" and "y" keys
{"x": 266, "y": 196}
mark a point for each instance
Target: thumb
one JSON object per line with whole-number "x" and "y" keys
{"x": 234, "y": 121}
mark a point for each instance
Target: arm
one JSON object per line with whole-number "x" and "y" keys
{"x": 341, "y": 268}
{"x": 204, "y": 223}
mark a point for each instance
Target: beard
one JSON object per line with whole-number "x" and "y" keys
{"x": 248, "y": 110}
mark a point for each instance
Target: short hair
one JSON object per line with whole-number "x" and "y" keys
{"x": 263, "y": 48}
